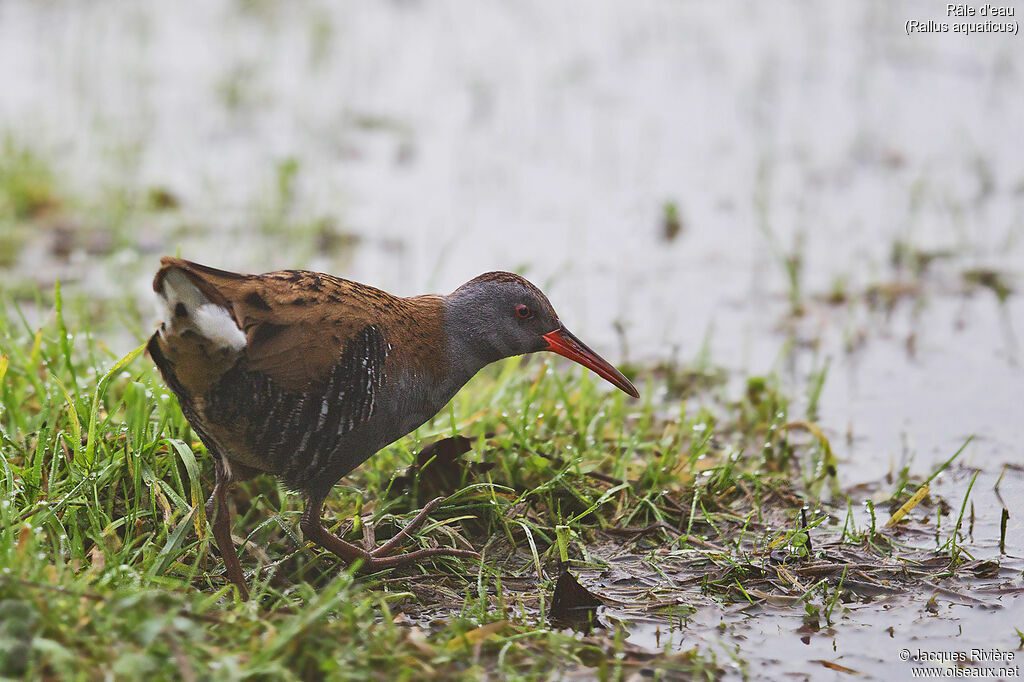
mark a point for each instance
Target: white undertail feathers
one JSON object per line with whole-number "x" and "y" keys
{"x": 207, "y": 319}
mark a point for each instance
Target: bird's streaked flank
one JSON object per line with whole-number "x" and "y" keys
{"x": 305, "y": 376}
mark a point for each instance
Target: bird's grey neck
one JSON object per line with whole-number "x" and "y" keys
{"x": 473, "y": 343}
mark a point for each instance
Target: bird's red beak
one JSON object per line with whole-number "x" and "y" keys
{"x": 563, "y": 342}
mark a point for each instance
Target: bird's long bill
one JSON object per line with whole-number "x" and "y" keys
{"x": 565, "y": 343}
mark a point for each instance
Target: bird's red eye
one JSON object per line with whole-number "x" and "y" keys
{"x": 523, "y": 311}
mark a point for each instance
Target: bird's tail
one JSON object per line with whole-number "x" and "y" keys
{"x": 192, "y": 300}
{"x": 185, "y": 308}
{"x": 198, "y": 339}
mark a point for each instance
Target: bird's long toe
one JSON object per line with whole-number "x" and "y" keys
{"x": 376, "y": 561}
{"x": 379, "y": 558}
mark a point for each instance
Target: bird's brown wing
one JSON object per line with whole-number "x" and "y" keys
{"x": 297, "y": 324}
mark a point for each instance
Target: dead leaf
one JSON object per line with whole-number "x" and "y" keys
{"x": 441, "y": 471}
{"x": 97, "y": 559}
{"x": 478, "y": 634}
{"x": 915, "y": 500}
{"x": 24, "y": 533}
{"x": 572, "y": 603}
{"x": 418, "y": 638}
{"x": 835, "y": 666}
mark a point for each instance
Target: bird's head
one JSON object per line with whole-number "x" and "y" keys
{"x": 500, "y": 314}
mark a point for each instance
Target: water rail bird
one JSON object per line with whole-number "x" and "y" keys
{"x": 305, "y": 376}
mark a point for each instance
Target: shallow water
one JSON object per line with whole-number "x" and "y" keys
{"x": 775, "y": 642}
{"x": 446, "y": 141}
{"x": 868, "y": 639}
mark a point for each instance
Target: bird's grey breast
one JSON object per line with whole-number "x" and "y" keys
{"x": 413, "y": 397}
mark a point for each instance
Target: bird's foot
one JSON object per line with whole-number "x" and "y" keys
{"x": 379, "y": 558}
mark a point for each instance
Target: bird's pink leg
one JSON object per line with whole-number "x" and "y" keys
{"x": 222, "y": 529}
{"x": 377, "y": 559}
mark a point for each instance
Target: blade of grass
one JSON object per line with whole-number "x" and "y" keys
{"x": 188, "y": 458}
{"x": 101, "y": 388}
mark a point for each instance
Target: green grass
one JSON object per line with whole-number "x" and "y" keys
{"x": 28, "y": 186}
{"x": 108, "y": 568}
{"x": 108, "y": 563}
{"x": 27, "y": 190}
